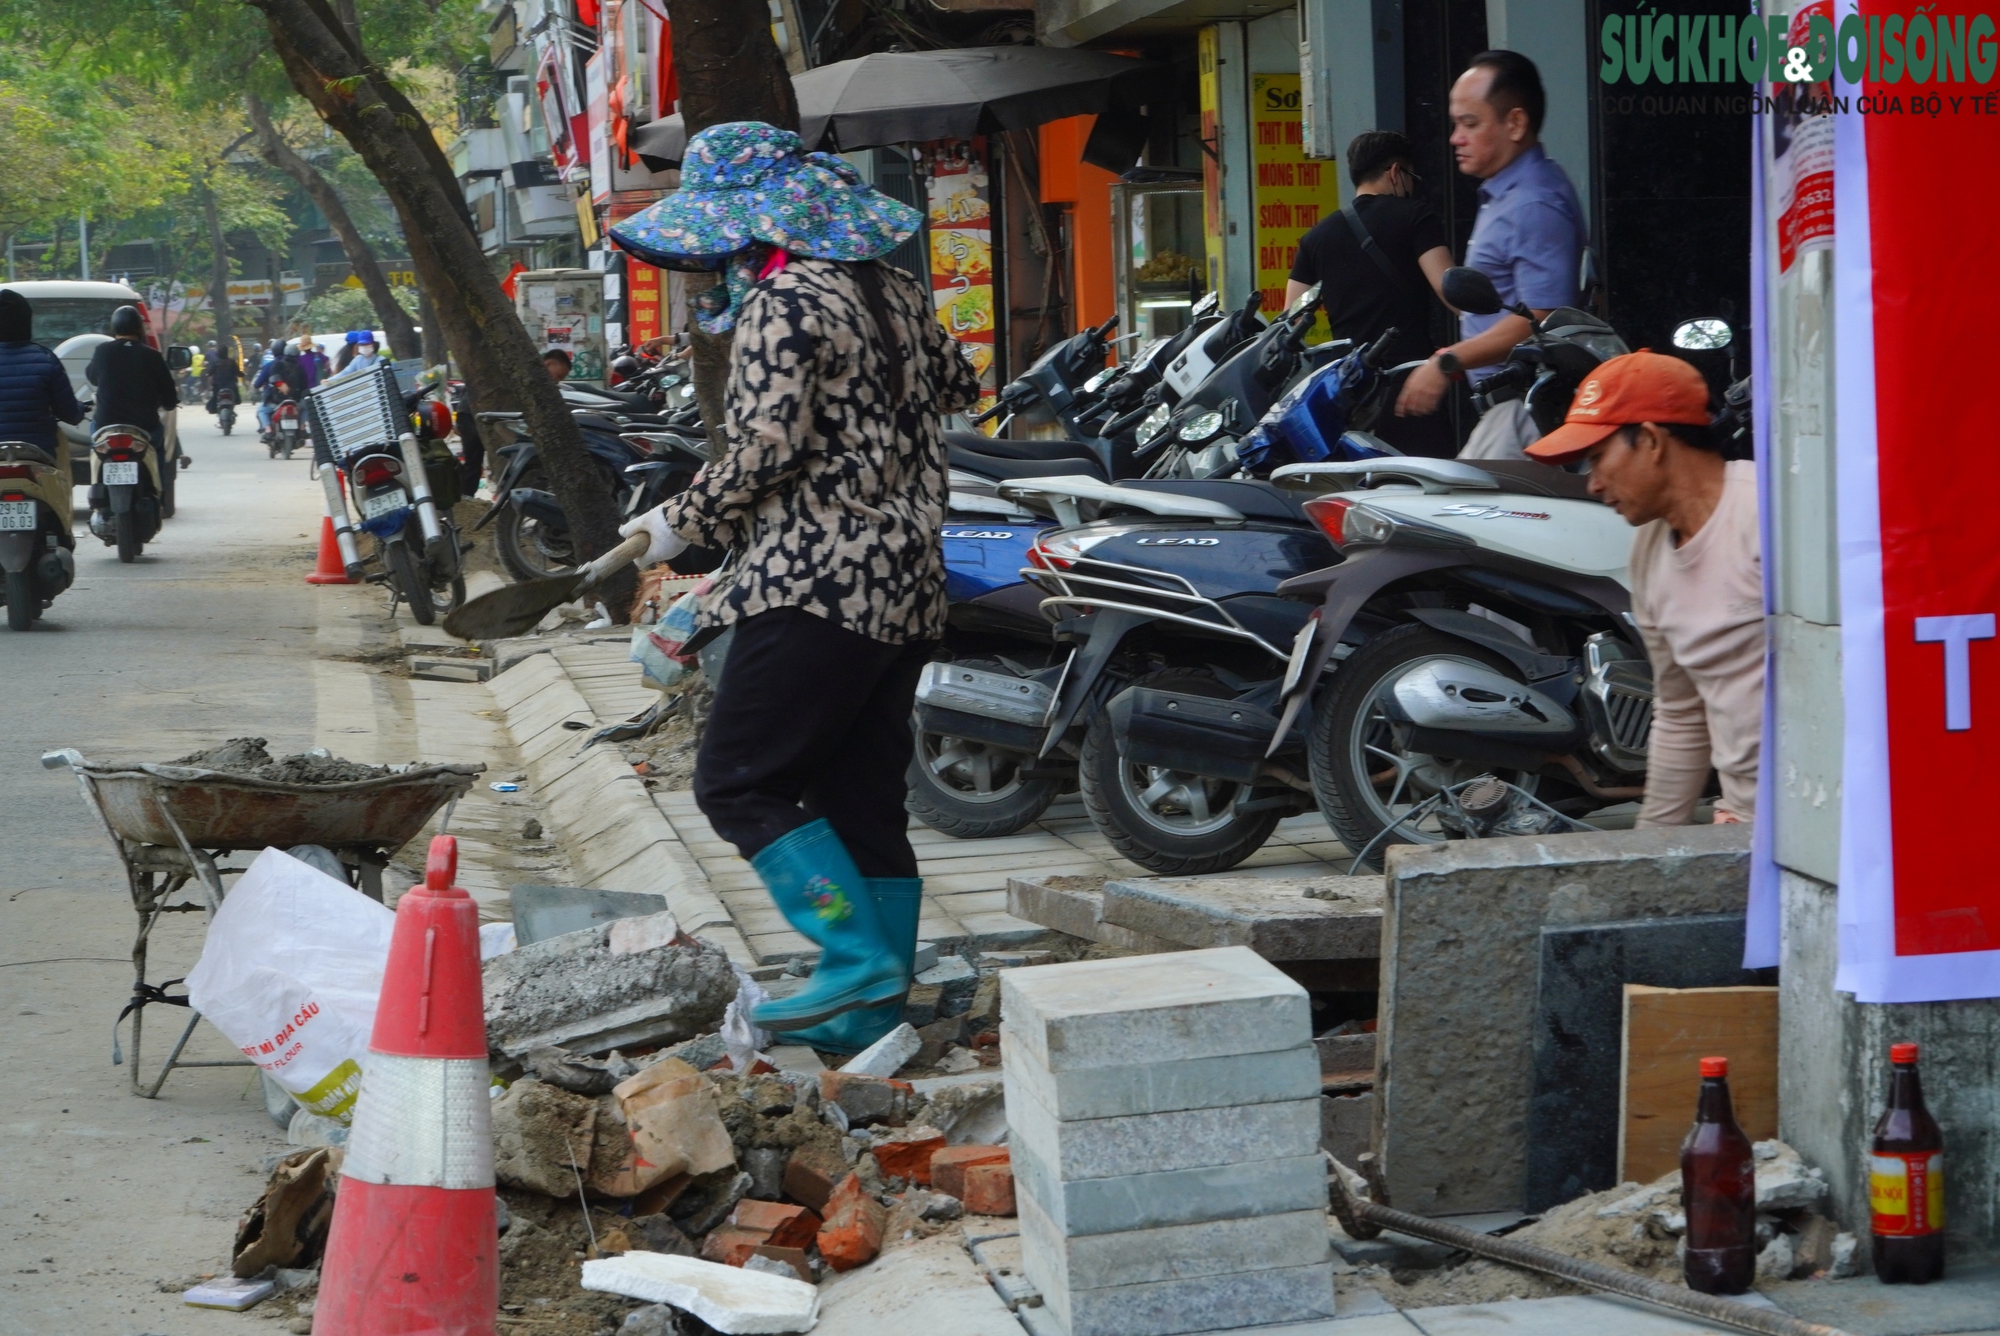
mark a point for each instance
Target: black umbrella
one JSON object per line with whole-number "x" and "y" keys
{"x": 910, "y": 96}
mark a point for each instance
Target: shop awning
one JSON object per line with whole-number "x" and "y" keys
{"x": 908, "y": 97}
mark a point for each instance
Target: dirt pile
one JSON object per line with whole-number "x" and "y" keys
{"x": 248, "y": 757}
{"x": 1633, "y": 1228}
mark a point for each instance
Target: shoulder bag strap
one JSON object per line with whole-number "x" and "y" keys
{"x": 1370, "y": 249}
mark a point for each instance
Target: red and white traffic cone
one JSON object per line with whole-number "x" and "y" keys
{"x": 415, "y": 1241}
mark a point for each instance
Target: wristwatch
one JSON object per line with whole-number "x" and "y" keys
{"x": 1447, "y": 362}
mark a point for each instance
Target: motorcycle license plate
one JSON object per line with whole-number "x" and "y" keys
{"x": 121, "y": 475}
{"x": 382, "y": 503}
{"x": 16, "y": 516}
{"x": 288, "y": 425}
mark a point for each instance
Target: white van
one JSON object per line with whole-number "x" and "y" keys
{"x": 72, "y": 317}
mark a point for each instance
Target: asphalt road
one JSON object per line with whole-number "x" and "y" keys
{"x": 105, "y": 1198}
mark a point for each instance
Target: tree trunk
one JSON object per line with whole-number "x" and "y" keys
{"x": 434, "y": 351}
{"x": 729, "y": 69}
{"x": 396, "y": 322}
{"x": 480, "y": 327}
{"x": 218, "y": 271}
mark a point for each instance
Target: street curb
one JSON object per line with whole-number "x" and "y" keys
{"x": 599, "y": 809}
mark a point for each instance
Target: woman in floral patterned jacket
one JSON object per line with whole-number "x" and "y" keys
{"x": 829, "y": 493}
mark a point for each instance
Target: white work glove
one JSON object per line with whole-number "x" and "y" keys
{"x": 666, "y": 543}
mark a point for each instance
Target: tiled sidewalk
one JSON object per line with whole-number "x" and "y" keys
{"x": 965, "y": 881}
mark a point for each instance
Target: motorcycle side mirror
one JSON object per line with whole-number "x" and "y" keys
{"x": 1705, "y": 335}
{"x": 1470, "y": 291}
{"x": 1310, "y": 297}
{"x": 179, "y": 358}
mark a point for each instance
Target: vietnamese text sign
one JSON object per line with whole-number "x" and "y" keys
{"x": 1919, "y": 567}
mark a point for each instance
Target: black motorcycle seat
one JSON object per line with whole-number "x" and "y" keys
{"x": 1003, "y": 447}
{"x": 594, "y": 422}
{"x": 1252, "y": 500}
{"x": 1527, "y": 477}
{"x": 1004, "y": 470}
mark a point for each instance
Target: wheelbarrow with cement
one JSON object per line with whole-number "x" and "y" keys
{"x": 174, "y": 826}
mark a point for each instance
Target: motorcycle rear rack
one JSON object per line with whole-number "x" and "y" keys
{"x": 1122, "y": 593}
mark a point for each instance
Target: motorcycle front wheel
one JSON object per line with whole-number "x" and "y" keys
{"x": 22, "y": 604}
{"x": 1176, "y": 823}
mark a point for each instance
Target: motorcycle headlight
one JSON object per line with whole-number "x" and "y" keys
{"x": 1154, "y": 423}
{"x": 1200, "y": 427}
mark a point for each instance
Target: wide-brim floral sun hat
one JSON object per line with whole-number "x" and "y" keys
{"x": 746, "y": 182}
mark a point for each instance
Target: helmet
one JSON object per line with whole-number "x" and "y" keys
{"x": 127, "y": 323}
{"x": 626, "y": 366}
{"x": 360, "y": 336}
{"x": 277, "y": 345}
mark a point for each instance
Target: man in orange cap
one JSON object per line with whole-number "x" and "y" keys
{"x": 1641, "y": 422}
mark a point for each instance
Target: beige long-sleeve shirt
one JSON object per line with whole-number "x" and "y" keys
{"x": 1700, "y": 608}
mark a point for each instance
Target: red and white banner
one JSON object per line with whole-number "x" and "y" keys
{"x": 1915, "y": 288}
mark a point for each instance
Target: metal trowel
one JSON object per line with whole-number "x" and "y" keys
{"x": 516, "y": 609}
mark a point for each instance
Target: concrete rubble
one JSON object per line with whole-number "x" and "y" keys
{"x": 581, "y": 992}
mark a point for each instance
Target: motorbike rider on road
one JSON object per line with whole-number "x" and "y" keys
{"x": 1696, "y": 571}
{"x": 267, "y": 375}
{"x": 35, "y": 393}
{"x": 133, "y": 383}
{"x": 830, "y": 490}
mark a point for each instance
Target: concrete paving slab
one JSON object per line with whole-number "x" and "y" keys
{"x": 1967, "y": 1300}
{"x": 1144, "y": 1009}
{"x": 1087, "y": 1148}
{"x": 1462, "y": 928}
{"x": 1275, "y": 917}
{"x": 1190, "y": 1083}
{"x": 1571, "y": 1315}
{"x": 926, "y": 1288}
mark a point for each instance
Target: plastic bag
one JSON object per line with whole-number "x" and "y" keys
{"x": 291, "y": 971}
{"x": 742, "y": 1037}
{"x": 657, "y": 649}
{"x": 312, "y": 1051}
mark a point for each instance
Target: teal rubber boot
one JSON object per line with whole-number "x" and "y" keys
{"x": 814, "y": 883}
{"x": 899, "y": 901}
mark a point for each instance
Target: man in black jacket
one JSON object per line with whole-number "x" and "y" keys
{"x": 133, "y": 384}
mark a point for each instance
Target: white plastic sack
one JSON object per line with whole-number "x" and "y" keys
{"x": 294, "y": 960}
{"x": 313, "y": 1052}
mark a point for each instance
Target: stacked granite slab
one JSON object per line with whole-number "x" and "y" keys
{"x": 1164, "y": 1119}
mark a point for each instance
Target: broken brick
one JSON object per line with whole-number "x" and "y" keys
{"x": 795, "y": 1258}
{"x": 948, "y": 1166}
{"x": 867, "y": 1099}
{"x": 784, "y": 1225}
{"x": 906, "y": 1154}
{"x": 989, "y": 1189}
{"x": 852, "y": 1234}
{"x": 731, "y": 1245}
{"x": 810, "y": 1174}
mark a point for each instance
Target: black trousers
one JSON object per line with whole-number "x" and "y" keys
{"x": 812, "y": 720}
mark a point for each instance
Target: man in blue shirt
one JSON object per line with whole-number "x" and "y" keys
{"x": 1528, "y": 238}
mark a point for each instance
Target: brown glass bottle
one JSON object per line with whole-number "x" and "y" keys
{"x": 1718, "y": 1191}
{"x": 1906, "y": 1180}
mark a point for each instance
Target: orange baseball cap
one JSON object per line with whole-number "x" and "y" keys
{"x": 1638, "y": 387}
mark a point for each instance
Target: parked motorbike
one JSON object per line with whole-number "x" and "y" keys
{"x": 287, "y": 430}
{"x": 37, "y": 550}
{"x": 1482, "y": 626}
{"x": 124, "y": 489}
{"x": 1198, "y": 438}
{"x": 402, "y": 483}
{"x": 645, "y": 463}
